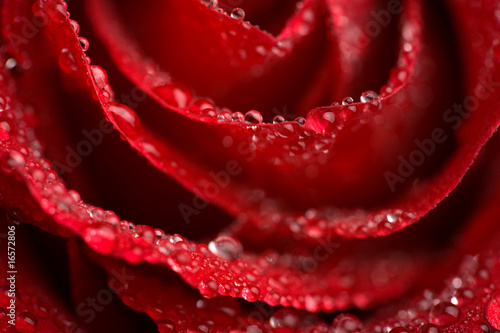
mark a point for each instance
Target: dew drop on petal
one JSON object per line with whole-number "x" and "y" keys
{"x": 14, "y": 216}
{"x": 347, "y": 101}
{"x": 67, "y": 61}
{"x": 208, "y": 288}
{"x": 100, "y": 76}
{"x": 75, "y": 26}
{"x": 253, "y": 117}
{"x": 238, "y": 14}
{"x": 300, "y": 120}
{"x": 429, "y": 328}
{"x": 84, "y": 43}
{"x": 250, "y": 293}
{"x": 493, "y": 312}
{"x": 225, "y": 115}
{"x": 57, "y": 11}
{"x": 444, "y": 314}
{"x": 278, "y": 119}
{"x": 369, "y": 96}
{"x": 126, "y": 119}
{"x": 238, "y": 117}
{"x": 26, "y": 322}
{"x": 226, "y": 247}
{"x": 101, "y": 239}
{"x": 285, "y": 318}
{"x": 174, "y": 94}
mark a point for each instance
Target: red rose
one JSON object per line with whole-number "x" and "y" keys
{"x": 261, "y": 198}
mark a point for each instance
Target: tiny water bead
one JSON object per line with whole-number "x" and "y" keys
{"x": 238, "y": 14}
{"x": 253, "y": 117}
{"x": 226, "y": 247}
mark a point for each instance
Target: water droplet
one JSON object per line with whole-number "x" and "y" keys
{"x": 57, "y": 11}
{"x": 101, "y": 238}
{"x": 200, "y": 105}
{"x": 238, "y": 117}
{"x": 286, "y": 130}
{"x": 369, "y": 96}
{"x": 328, "y": 117}
{"x": 399, "y": 330}
{"x": 238, "y": 14}
{"x": 347, "y": 101}
{"x": 429, "y": 328}
{"x": 250, "y": 293}
{"x": 225, "y": 115}
{"x": 100, "y": 76}
{"x": 253, "y": 117}
{"x": 444, "y": 314}
{"x": 210, "y": 3}
{"x": 226, "y": 247}
{"x": 285, "y": 318}
{"x": 26, "y": 322}
{"x": 300, "y": 120}
{"x": 174, "y": 94}
{"x": 346, "y": 323}
{"x": 67, "y": 61}
{"x": 493, "y": 312}
{"x": 75, "y": 26}
{"x": 14, "y": 216}
{"x": 84, "y": 43}
{"x": 208, "y": 288}
{"x": 166, "y": 326}
{"x": 278, "y": 119}
{"x": 126, "y": 119}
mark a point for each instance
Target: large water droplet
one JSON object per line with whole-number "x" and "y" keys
{"x": 369, "y": 96}
{"x": 253, "y": 117}
{"x": 226, "y": 247}
{"x": 126, "y": 119}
